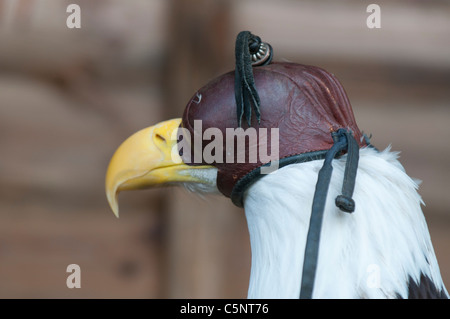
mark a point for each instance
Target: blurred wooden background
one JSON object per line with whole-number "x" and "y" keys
{"x": 69, "y": 97}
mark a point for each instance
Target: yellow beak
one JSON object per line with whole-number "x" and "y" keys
{"x": 147, "y": 158}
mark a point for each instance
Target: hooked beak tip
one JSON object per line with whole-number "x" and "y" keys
{"x": 112, "y": 200}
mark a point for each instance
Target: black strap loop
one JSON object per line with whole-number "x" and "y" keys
{"x": 345, "y": 201}
{"x": 343, "y": 140}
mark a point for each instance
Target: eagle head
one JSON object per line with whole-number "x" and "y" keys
{"x": 268, "y": 136}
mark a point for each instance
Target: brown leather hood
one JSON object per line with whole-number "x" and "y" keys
{"x": 305, "y": 103}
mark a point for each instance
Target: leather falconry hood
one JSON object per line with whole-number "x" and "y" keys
{"x": 306, "y": 103}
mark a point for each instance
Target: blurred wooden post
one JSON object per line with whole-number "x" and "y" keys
{"x": 198, "y": 48}
{"x": 208, "y": 250}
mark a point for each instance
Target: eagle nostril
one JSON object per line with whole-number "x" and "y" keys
{"x": 159, "y": 137}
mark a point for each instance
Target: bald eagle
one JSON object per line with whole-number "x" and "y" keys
{"x": 382, "y": 250}
{"x": 375, "y": 245}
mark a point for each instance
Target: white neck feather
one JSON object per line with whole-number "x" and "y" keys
{"x": 368, "y": 254}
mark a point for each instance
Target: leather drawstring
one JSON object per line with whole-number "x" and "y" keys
{"x": 343, "y": 140}
{"x": 248, "y": 45}
{"x": 345, "y": 201}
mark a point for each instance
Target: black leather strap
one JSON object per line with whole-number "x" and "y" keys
{"x": 244, "y": 84}
{"x": 343, "y": 141}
